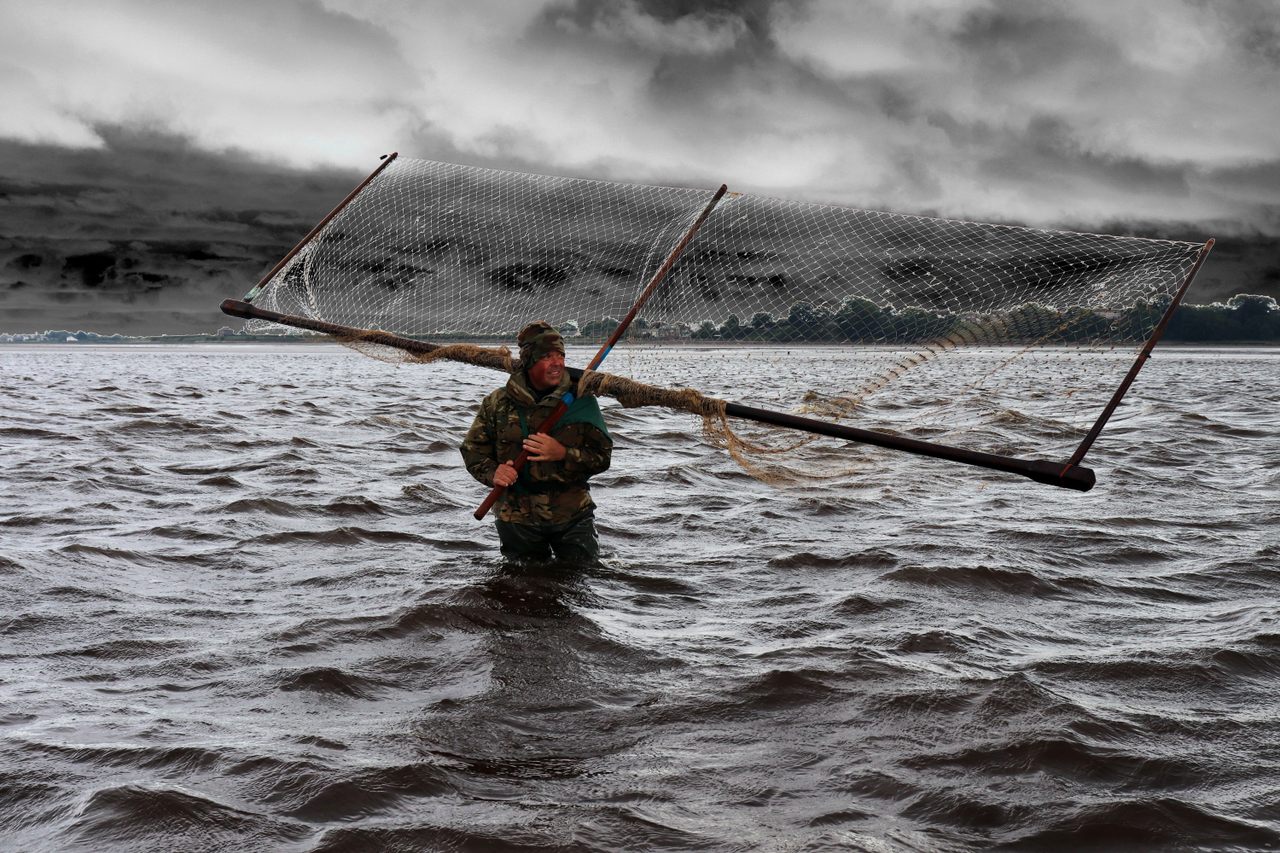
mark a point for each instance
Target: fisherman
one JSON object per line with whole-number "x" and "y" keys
{"x": 547, "y": 506}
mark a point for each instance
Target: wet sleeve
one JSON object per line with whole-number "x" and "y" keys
{"x": 479, "y": 452}
{"x": 589, "y": 457}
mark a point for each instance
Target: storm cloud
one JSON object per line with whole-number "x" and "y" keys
{"x": 140, "y": 128}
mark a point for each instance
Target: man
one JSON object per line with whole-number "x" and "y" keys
{"x": 547, "y": 506}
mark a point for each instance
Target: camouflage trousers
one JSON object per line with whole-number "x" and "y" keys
{"x": 575, "y": 541}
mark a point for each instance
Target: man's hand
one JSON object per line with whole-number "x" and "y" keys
{"x": 543, "y": 448}
{"x": 505, "y": 474}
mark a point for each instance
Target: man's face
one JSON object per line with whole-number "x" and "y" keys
{"x": 546, "y": 372}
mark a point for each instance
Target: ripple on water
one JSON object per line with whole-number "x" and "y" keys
{"x": 350, "y": 794}
{"x": 911, "y": 656}
{"x": 986, "y": 579}
{"x": 345, "y": 535}
{"x": 1146, "y": 822}
{"x": 17, "y": 433}
{"x": 142, "y": 816}
{"x": 874, "y": 558}
{"x": 333, "y": 681}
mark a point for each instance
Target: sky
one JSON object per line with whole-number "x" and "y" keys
{"x": 156, "y": 157}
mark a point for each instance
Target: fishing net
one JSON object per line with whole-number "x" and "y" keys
{"x": 1000, "y": 338}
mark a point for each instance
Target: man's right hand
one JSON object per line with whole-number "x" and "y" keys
{"x": 505, "y": 474}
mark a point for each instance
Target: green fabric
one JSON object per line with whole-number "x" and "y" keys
{"x": 583, "y": 410}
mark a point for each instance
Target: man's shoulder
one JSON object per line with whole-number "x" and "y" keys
{"x": 497, "y": 398}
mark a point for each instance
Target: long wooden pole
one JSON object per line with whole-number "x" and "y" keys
{"x": 567, "y": 399}
{"x": 1152, "y": 340}
{"x": 257, "y": 288}
{"x": 1051, "y": 473}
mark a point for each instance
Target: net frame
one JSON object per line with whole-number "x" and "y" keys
{"x": 295, "y": 264}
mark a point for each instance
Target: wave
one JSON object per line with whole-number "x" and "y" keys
{"x": 781, "y": 689}
{"x": 28, "y": 800}
{"x": 874, "y": 558}
{"x": 354, "y": 505}
{"x": 364, "y": 793}
{"x": 934, "y": 642}
{"x": 426, "y": 620}
{"x": 73, "y": 594}
{"x": 136, "y": 648}
{"x": 924, "y": 702}
{"x": 514, "y": 835}
{"x": 864, "y": 604}
{"x": 126, "y": 556}
{"x": 332, "y": 681}
{"x": 1146, "y": 822}
{"x": 967, "y": 809}
{"x": 186, "y": 534}
{"x": 168, "y": 759}
{"x": 1168, "y": 672}
{"x": 34, "y": 432}
{"x": 142, "y": 816}
{"x": 171, "y": 423}
{"x": 30, "y": 623}
{"x": 1017, "y": 582}
{"x": 256, "y": 506}
{"x": 433, "y": 497}
{"x": 341, "y": 536}
{"x": 1068, "y": 758}
{"x": 222, "y": 481}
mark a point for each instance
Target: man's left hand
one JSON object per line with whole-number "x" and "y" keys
{"x": 543, "y": 448}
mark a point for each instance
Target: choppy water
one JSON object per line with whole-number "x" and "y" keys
{"x": 245, "y": 607}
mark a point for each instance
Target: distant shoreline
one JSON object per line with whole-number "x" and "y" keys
{"x": 323, "y": 340}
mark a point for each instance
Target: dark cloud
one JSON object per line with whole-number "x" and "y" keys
{"x": 148, "y": 171}
{"x": 1257, "y": 182}
{"x": 1252, "y": 25}
{"x": 608, "y": 16}
{"x": 1014, "y": 39}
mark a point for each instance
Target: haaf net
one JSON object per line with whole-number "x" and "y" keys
{"x": 982, "y": 340}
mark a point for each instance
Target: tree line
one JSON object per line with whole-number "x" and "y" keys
{"x": 1242, "y": 318}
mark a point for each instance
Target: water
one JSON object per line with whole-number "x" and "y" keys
{"x": 245, "y": 607}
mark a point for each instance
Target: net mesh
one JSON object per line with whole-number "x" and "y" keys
{"x": 996, "y": 337}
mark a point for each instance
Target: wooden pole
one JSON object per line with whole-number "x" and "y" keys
{"x": 567, "y": 399}
{"x": 257, "y": 288}
{"x": 1142, "y": 358}
{"x": 1050, "y": 473}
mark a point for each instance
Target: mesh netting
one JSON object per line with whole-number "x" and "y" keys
{"x": 978, "y": 321}
{"x": 434, "y": 250}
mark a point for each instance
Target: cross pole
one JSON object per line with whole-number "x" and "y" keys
{"x": 257, "y": 288}
{"x": 567, "y": 399}
{"x": 1073, "y": 477}
{"x": 1143, "y": 356}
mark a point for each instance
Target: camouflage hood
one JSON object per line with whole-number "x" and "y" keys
{"x": 536, "y": 340}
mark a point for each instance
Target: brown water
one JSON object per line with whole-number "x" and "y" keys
{"x": 245, "y": 607}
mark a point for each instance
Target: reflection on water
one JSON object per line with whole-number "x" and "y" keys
{"x": 540, "y": 589}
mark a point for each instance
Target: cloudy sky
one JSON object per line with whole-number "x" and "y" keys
{"x": 158, "y": 156}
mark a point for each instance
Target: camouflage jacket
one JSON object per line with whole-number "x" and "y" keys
{"x": 547, "y": 492}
